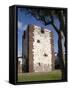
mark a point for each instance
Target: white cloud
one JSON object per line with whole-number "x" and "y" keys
{"x": 21, "y": 26}
{"x": 24, "y": 27}
{"x": 19, "y": 52}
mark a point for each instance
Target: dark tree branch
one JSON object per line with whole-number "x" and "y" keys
{"x": 56, "y": 29}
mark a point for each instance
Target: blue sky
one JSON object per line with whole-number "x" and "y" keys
{"x": 24, "y": 20}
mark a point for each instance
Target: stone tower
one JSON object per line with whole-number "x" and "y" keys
{"x": 38, "y": 49}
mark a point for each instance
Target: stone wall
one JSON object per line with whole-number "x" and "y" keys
{"x": 39, "y": 51}
{"x": 42, "y": 52}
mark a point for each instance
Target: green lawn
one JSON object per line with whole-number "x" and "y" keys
{"x": 54, "y": 75}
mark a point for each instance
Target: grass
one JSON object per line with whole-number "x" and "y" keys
{"x": 54, "y": 75}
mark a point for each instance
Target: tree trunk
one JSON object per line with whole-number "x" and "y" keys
{"x": 60, "y": 55}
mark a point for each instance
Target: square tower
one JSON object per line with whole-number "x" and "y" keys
{"x": 38, "y": 49}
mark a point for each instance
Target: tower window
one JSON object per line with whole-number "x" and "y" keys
{"x": 45, "y": 55}
{"x": 38, "y": 41}
{"x": 42, "y": 31}
{"x": 39, "y": 64}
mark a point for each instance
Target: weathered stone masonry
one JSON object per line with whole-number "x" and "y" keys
{"x": 38, "y": 49}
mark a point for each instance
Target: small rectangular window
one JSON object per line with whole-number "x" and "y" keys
{"x": 45, "y": 55}
{"x": 38, "y": 41}
{"x": 42, "y": 31}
